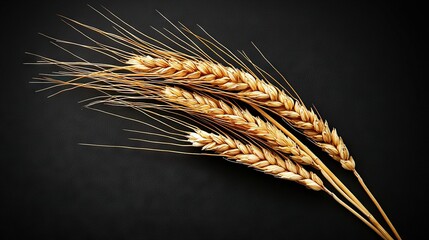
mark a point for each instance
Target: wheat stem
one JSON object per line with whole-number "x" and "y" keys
{"x": 374, "y": 200}
{"x": 357, "y": 215}
{"x": 325, "y": 170}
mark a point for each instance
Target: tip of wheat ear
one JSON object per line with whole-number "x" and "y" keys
{"x": 258, "y": 158}
{"x": 248, "y": 86}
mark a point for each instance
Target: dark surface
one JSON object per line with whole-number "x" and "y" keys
{"x": 360, "y": 64}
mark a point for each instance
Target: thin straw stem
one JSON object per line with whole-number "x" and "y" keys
{"x": 355, "y": 213}
{"x": 374, "y": 200}
{"x": 325, "y": 171}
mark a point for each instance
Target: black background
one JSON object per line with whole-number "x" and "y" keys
{"x": 361, "y": 64}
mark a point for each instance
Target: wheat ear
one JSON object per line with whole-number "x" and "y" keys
{"x": 256, "y": 157}
{"x": 266, "y": 161}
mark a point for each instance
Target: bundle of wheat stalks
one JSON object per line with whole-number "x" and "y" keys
{"x": 201, "y": 94}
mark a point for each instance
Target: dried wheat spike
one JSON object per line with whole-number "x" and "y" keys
{"x": 239, "y": 119}
{"x": 249, "y": 87}
{"x": 255, "y": 157}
